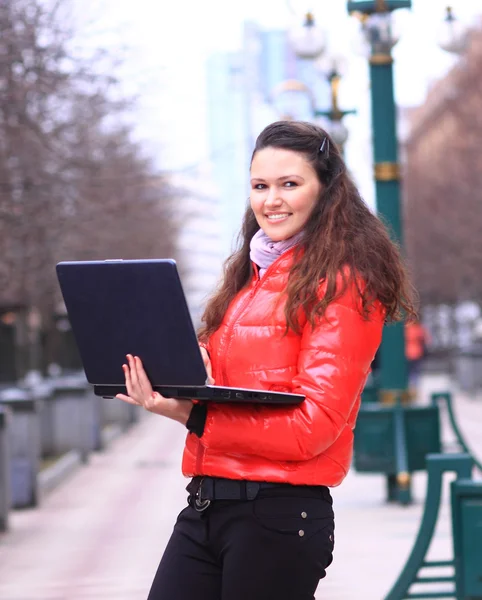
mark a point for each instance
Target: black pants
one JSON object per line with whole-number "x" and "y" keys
{"x": 275, "y": 547}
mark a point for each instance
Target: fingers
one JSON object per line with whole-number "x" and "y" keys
{"x": 127, "y": 375}
{"x": 142, "y": 377}
{"x": 133, "y": 371}
{"x": 140, "y": 393}
{"x": 139, "y": 389}
{"x": 127, "y": 399}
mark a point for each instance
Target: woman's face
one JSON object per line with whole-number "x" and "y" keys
{"x": 284, "y": 191}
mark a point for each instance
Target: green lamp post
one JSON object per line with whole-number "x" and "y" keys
{"x": 375, "y": 16}
{"x": 334, "y": 114}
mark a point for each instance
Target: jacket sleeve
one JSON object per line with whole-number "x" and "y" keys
{"x": 333, "y": 365}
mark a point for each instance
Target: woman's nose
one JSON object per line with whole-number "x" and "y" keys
{"x": 273, "y": 198}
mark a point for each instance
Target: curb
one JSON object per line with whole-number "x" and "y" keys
{"x": 52, "y": 476}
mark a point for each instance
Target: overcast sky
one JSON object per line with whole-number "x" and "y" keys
{"x": 168, "y": 43}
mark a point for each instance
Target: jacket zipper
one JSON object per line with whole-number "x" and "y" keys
{"x": 244, "y": 305}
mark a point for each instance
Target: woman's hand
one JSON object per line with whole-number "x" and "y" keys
{"x": 140, "y": 393}
{"x": 207, "y": 364}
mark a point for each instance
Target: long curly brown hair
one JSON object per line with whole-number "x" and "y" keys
{"x": 341, "y": 237}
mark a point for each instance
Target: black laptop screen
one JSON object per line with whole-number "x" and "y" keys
{"x": 136, "y": 307}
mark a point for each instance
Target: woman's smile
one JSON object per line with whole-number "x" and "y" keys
{"x": 277, "y": 217}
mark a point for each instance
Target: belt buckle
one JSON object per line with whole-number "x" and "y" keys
{"x": 199, "y": 504}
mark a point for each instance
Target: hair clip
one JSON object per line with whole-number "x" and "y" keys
{"x": 326, "y": 142}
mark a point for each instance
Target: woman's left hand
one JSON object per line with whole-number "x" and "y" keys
{"x": 140, "y": 393}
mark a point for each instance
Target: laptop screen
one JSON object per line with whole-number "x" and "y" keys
{"x": 136, "y": 307}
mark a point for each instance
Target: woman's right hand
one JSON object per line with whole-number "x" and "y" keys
{"x": 207, "y": 364}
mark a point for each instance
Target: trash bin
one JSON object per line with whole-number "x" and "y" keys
{"x": 117, "y": 413}
{"x": 468, "y": 368}
{"x": 4, "y": 471}
{"x": 42, "y": 392}
{"x": 24, "y": 445}
{"x": 466, "y": 496}
{"x": 70, "y": 416}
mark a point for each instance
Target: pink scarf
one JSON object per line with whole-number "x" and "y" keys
{"x": 263, "y": 251}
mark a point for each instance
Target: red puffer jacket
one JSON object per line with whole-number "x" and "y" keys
{"x": 310, "y": 443}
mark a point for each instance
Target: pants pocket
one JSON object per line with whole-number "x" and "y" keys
{"x": 295, "y": 516}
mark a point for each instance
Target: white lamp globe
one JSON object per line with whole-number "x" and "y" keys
{"x": 452, "y": 35}
{"x": 338, "y": 132}
{"x": 308, "y": 40}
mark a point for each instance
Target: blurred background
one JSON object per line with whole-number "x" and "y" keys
{"x": 127, "y": 130}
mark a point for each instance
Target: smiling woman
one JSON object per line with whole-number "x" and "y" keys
{"x": 284, "y": 190}
{"x": 300, "y": 309}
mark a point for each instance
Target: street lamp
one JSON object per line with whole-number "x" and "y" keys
{"x": 377, "y": 27}
{"x": 308, "y": 42}
{"x": 453, "y": 36}
{"x": 376, "y": 23}
{"x": 334, "y": 114}
{"x": 337, "y": 129}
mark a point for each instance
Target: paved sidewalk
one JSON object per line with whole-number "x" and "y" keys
{"x": 100, "y": 535}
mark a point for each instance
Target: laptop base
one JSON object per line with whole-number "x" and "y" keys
{"x": 209, "y": 393}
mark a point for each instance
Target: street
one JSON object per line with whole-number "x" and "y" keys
{"x": 101, "y": 533}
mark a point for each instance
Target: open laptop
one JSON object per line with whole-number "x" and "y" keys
{"x": 138, "y": 307}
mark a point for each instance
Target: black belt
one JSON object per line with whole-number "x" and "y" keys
{"x": 202, "y": 490}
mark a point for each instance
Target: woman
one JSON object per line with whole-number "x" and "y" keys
{"x": 301, "y": 309}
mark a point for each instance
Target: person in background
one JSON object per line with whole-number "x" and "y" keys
{"x": 417, "y": 340}
{"x": 300, "y": 309}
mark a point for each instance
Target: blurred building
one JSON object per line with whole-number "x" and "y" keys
{"x": 228, "y": 141}
{"x": 197, "y": 215}
{"x": 240, "y": 98}
{"x": 443, "y": 186}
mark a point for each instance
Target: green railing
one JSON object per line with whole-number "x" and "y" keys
{"x": 446, "y": 397}
{"x": 437, "y": 465}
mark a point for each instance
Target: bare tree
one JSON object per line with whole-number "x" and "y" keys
{"x": 73, "y": 184}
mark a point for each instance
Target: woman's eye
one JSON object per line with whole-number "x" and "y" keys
{"x": 259, "y": 186}
{"x": 290, "y": 184}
